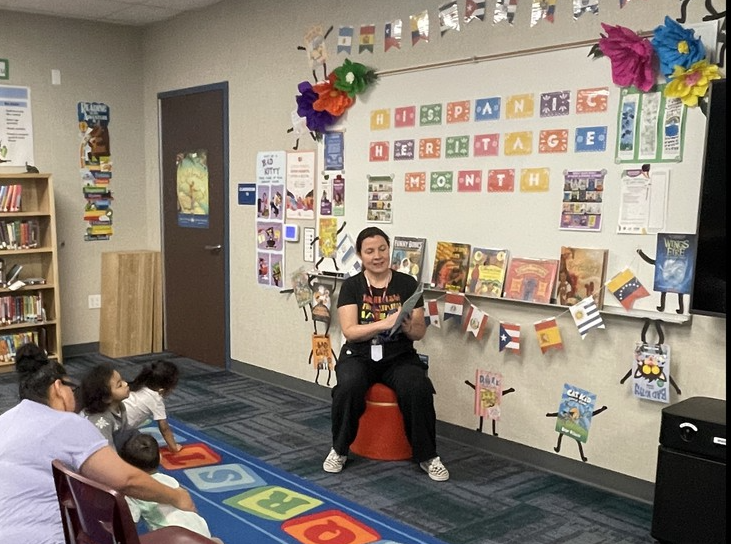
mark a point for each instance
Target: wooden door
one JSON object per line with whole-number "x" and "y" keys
{"x": 194, "y": 155}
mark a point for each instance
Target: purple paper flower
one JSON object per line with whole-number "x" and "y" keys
{"x": 317, "y": 121}
{"x": 676, "y": 46}
{"x": 631, "y": 57}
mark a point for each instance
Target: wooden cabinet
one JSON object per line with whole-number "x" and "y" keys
{"x": 131, "y": 313}
{"x": 30, "y": 308}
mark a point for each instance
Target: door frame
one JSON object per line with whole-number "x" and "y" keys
{"x": 223, "y": 88}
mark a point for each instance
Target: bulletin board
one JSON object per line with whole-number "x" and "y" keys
{"x": 527, "y": 223}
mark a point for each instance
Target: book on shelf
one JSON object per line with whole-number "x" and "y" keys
{"x": 407, "y": 255}
{"x": 582, "y": 272}
{"x": 451, "y": 264}
{"x": 487, "y": 271}
{"x": 532, "y": 280}
{"x": 13, "y": 273}
{"x": 675, "y": 262}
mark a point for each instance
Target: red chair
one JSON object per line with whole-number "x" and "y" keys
{"x": 93, "y": 513}
{"x": 381, "y": 433}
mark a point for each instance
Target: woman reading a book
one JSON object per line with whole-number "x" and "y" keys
{"x": 379, "y": 347}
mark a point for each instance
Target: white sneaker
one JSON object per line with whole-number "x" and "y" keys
{"x": 334, "y": 462}
{"x": 435, "y": 469}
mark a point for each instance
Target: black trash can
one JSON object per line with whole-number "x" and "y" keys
{"x": 690, "y": 483}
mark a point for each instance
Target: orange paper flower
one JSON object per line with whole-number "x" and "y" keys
{"x": 331, "y": 99}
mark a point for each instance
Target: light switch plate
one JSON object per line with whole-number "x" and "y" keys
{"x": 309, "y": 248}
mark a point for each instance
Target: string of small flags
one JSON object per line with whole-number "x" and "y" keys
{"x": 586, "y": 315}
{"x": 448, "y": 15}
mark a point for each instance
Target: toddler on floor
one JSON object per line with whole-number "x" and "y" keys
{"x": 147, "y": 398}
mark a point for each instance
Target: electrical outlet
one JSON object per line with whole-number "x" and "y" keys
{"x": 95, "y": 301}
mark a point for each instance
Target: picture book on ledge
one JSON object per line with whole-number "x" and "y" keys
{"x": 487, "y": 271}
{"x": 407, "y": 255}
{"x": 531, "y": 280}
{"x": 451, "y": 264}
{"x": 675, "y": 262}
{"x": 581, "y": 273}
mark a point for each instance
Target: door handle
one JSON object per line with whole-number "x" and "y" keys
{"x": 213, "y": 248}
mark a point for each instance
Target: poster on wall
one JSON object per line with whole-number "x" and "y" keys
{"x": 269, "y": 222}
{"x": 380, "y": 198}
{"x": 583, "y": 192}
{"x": 192, "y": 189}
{"x": 95, "y": 168}
{"x": 16, "y": 126}
{"x": 300, "y": 202}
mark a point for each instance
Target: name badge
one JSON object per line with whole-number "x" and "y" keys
{"x": 376, "y": 352}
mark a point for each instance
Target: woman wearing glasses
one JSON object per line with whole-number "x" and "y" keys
{"x": 44, "y": 427}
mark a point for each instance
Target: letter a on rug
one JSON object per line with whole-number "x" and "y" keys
{"x": 246, "y": 501}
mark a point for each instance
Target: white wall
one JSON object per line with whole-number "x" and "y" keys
{"x": 253, "y": 47}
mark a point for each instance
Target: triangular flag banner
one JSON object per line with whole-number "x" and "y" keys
{"x": 392, "y": 35}
{"x": 448, "y": 17}
{"x": 505, "y": 11}
{"x": 474, "y": 10}
{"x": 431, "y": 314}
{"x": 509, "y": 337}
{"x": 475, "y": 322}
{"x": 548, "y": 334}
{"x": 453, "y": 306}
{"x": 345, "y": 39}
{"x": 627, "y": 288}
{"x": 367, "y": 38}
{"x": 419, "y": 27}
{"x": 586, "y": 316}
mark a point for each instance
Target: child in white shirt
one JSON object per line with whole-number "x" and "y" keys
{"x": 146, "y": 398}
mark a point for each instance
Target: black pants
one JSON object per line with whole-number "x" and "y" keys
{"x": 414, "y": 390}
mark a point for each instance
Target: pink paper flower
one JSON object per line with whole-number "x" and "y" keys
{"x": 632, "y": 57}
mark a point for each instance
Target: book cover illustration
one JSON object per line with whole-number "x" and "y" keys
{"x": 407, "y": 255}
{"x": 581, "y": 273}
{"x": 328, "y": 237}
{"x": 651, "y": 377}
{"x": 575, "y": 412}
{"x": 301, "y": 287}
{"x": 675, "y": 262}
{"x": 451, "y": 264}
{"x": 488, "y": 394}
{"x": 323, "y": 290}
{"x": 531, "y": 280}
{"x": 487, "y": 271}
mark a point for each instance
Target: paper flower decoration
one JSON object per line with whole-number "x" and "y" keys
{"x": 323, "y": 103}
{"x": 631, "y": 56}
{"x": 330, "y": 99}
{"x": 676, "y": 46}
{"x": 692, "y": 84}
{"x": 353, "y": 78}
{"x": 317, "y": 120}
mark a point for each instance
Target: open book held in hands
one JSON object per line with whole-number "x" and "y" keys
{"x": 406, "y": 309}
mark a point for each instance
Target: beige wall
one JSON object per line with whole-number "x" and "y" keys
{"x": 253, "y": 47}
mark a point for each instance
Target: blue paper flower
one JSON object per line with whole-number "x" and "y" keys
{"x": 676, "y": 46}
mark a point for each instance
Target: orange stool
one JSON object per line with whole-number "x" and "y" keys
{"x": 381, "y": 433}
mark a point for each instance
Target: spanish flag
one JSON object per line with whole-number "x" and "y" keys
{"x": 548, "y": 334}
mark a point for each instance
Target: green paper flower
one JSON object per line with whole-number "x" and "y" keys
{"x": 353, "y": 78}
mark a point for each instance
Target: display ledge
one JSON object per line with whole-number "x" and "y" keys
{"x": 608, "y": 310}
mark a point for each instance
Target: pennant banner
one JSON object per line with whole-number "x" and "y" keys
{"x": 476, "y": 322}
{"x": 419, "y": 27}
{"x": 505, "y": 11}
{"x": 453, "y": 306}
{"x": 367, "y": 38}
{"x": 549, "y": 337}
{"x": 431, "y": 313}
{"x": 448, "y": 17}
{"x": 586, "y": 316}
{"x": 392, "y": 35}
{"x": 345, "y": 39}
{"x": 627, "y": 288}
{"x": 474, "y": 10}
{"x": 509, "y": 337}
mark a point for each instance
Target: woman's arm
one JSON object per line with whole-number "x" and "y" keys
{"x": 107, "y": 467}
{"x": 167, "y": 434}
{"x": 354, "y": 332}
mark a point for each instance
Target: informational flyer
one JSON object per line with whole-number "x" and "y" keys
{"x": 643, "y": 201}
{"x": 300, "y": 200}
{"x": 16, "y": 126}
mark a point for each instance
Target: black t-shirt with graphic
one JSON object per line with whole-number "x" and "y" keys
{"x": 375, "y": 304}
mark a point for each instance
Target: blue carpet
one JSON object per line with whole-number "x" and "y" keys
{"x": 245, "y": 500}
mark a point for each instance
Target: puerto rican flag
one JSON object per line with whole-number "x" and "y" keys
{"x": 474, "y": 10}
{"x": 509, "y": 337}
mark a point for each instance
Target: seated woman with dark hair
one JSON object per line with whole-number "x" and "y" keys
{"x": 44, "y": 427}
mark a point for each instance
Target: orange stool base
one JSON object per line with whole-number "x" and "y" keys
{"x": 381, "y": 433}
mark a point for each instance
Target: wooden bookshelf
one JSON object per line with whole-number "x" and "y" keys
{"x": 29, "y": 312}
